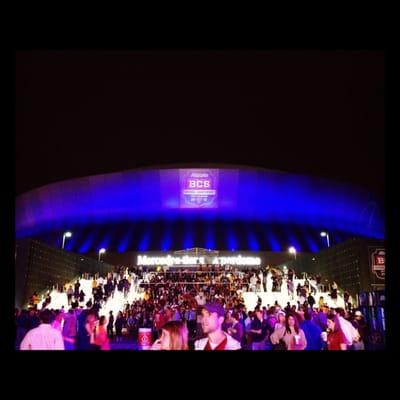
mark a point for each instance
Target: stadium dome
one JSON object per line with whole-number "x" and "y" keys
{"x": 223, "y": 207}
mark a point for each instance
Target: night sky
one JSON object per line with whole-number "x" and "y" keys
{"x": 84, "y": 113}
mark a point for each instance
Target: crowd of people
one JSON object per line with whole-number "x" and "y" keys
{"x": 200, "y": 310}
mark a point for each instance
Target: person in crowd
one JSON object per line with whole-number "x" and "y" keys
{"x": 359, "y": 323}
{"x": 120, "y": 322}
{"x": 57, "y": 322}
{"x": 110, "y": 325}
{"x": 234, "y": 327}
{"x": 311, "y": 301}
{"x": 22, "y": 326}
{"x": 47, "y": 300}
{"x": 322, "y": 317}
{"x": 346, "y": 297}
{"x": 336, "y": 338}
{"x": 70, "y": 293}
{"x": 321, "y": 302}
{"x": 174, "y": 336}
{"x": 258, "y": 332}
{"x": 76, "y": 288}
{"x": 292, "y": 335}
{"x": 212, "y": 319}
{"x": 94, "y": 284}
{"x": 350, "y": 332}
{"x": 81, "y": 296}
{"x": 298, "y": 289}
{"x": 69, "y": 330}
{"x": 44, "y": 337}
{"x": 101, "y": 339}
{"x": 33, "y": 319}
{"x": 281, "y": 321}
{"x": 312, "y": 332}
{"x": 201, "y": 299}
{"x": 177, "y": 315}
{"x": 85, "y": 339}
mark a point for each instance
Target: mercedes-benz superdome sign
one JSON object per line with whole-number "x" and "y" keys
{"x": 144, "y": 260}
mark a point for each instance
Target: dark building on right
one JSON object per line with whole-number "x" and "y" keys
{"x": 357, "y": 265}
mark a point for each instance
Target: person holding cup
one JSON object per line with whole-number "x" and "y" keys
{"x": 291, "y": 334}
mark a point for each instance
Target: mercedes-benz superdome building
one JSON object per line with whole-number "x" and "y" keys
{"x": 223, "y": 207}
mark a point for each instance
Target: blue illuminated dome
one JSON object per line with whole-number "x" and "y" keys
{"x": 225, "y": 208}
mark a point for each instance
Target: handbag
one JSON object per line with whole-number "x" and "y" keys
{"x": 281, "y": 345}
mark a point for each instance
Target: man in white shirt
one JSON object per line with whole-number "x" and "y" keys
{"x": 44, "y": 337}
{"x": 352, "y": 335}
{"x": 200, "y": 298}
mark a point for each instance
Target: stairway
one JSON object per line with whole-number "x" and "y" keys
{"x": 269, "y": 297}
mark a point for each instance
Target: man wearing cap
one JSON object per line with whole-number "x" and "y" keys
{"x": 213, "y": 315}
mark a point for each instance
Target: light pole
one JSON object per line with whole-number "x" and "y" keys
{"x": 292, "y": 250}
{"x": 325, "y": 234}
{"x": 66, "y": 235}
{"x": 101, "y": 251}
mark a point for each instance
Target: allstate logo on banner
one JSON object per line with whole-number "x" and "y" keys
{"x": 199, "y": 188}
{"x": 378, "y": 263}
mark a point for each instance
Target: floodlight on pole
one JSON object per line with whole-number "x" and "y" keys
{"x": 101, "y": 251}
{"x": 325, "y": 234}
{"x": 65, "y": 235}
{"x": 292, "y": 250}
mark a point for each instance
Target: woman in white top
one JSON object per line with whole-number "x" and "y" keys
{"x": 291, "y": 334}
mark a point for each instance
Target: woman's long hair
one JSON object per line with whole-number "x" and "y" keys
{"x": 178, "y": 335}
{"x": 335, "y": 318}
{"x": 296, "y": 323}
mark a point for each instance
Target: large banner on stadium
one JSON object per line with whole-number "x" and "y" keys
{"x": 377, "y": 259}
{"x": 199, "y": 188}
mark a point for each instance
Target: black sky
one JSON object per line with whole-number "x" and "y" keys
{"x": 83, "y": 113}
